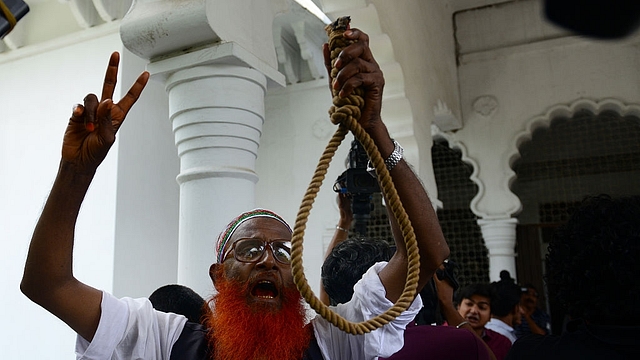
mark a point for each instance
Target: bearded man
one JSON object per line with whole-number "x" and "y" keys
{"x": 258, "y": 312}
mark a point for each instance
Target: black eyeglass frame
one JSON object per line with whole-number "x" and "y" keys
{"x": 264, "y": 244}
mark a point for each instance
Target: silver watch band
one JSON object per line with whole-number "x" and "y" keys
{"x": 391, "y": 161}
{"x": 395, "y": 156}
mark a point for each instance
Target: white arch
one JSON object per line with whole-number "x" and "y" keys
{"x": 460, "y": 146}
{"x": 564, "y": 110}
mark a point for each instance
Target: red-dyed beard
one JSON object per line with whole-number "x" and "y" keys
{"x": 241, "y": 332}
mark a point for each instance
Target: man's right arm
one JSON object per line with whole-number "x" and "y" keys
{"x": 48, "y": 277}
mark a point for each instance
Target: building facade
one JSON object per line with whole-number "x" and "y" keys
{"x": 507, "y": 119}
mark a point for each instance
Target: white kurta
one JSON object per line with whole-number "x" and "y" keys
{"x": 133, "y": 329}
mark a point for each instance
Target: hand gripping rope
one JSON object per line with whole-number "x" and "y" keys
{"x": 345, "y": 113}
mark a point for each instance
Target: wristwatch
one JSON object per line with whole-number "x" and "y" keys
{"x": 395, "y": 156}
{"x": 391, "y": 161}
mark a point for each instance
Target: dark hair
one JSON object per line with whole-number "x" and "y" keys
{"x": 528, "y": 286}
{"x": 347, "y": 262}
{"x": 481, "y": 289}
{"x": 507, "y": 295}
{"x": 179, "y": 299}
{"x": 593, "y": 261}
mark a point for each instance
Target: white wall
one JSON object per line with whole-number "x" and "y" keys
{"x": 526, "y": 76}
{"x": 36, "y": 99}
{"x": 146, "y": 235}
{"x": 526, "y": 85}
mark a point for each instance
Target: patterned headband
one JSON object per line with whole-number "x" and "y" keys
{"x": 224, "y": 236}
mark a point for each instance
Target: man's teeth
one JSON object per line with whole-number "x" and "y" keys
{"x": 265, "y": 290}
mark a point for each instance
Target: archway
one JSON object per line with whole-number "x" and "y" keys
{"x": 590, "y": 149}
{"x": 459, "y": 224}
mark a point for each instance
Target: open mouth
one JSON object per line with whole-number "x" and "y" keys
{"x": 473, "y": 319}
{"x": 265, "y": 290}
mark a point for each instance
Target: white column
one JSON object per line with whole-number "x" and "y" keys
{"x": 216, "y": 73}
{"x": 217, "y": 114}
{"x": 216, "y": 107}
{"x": 500, "y": 238}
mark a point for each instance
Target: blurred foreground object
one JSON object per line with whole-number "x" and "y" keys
{"x": 11, "y": 11}
{"x": 606, "y": 19}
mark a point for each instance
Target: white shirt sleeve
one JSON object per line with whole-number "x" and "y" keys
{"x": 131, "y": 329}
{"x": 367, "y": 302}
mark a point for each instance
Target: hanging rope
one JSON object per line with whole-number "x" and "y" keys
{"x": 345, "y": 113}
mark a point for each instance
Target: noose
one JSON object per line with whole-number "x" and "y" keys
{"x": 345, "y": 113}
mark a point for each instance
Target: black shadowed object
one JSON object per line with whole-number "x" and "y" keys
{"x": 11, "y": 11}
{"x": 604, "y": 19}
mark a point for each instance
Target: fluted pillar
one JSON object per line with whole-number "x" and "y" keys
{"x": 500, "y": 239}
{"x": 216, "y": 107}
{"x": 217, "y": 114}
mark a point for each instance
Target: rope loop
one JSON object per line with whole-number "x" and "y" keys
{"x": 345, "y": 113}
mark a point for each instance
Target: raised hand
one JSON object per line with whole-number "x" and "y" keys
{"x": 92, "y": 127}
{"x": 48, "y": 277}
{"x": 346, "y": 212}
{"x": 358, "y": 68}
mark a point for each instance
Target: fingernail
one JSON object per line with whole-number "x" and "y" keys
{"x": 348, "y": 32}
{"x": 334, "y": 84}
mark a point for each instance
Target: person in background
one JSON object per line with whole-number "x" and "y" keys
{"x": 474, "y": 305}
{"x": 347, "y": 259}
{"x": 593, "y": 266}
{"x": 180, "y": 299}
{"x": 341, "y": 234}
{"x": 341, "y": 272}
{"x": 505, "y": 308}
{"x": 533, "y": 319}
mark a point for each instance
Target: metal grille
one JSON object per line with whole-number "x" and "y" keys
{"x": 583, "y": 155}
{"x": 458, "y": 222}
{"x": 378, "y": 225}
{"x": 555, "y": 212}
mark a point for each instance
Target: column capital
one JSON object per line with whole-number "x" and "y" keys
{"x": 217, "y": 54}
{"x": 159, "y": 29}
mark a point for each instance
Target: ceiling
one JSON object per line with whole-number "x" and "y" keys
{"x": 53, "y": 19}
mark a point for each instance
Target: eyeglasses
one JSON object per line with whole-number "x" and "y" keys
{"x": 250, "y": 250}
